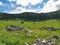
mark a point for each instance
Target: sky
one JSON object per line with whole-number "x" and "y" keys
{"x": 37, "y": 6}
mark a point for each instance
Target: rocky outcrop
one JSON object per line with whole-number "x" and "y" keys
{"x": 14, "y": 28}
{"x": 49, "y": 28}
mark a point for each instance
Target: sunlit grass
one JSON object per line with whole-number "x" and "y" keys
{"x": 9, "y": 38}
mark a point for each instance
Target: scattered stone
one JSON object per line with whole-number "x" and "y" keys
{"x": 27, "y": 43}
{"x": 55, "y": 36}
{"x": 48, "y": 28}
{"x": 39, "y": 40}
{"x": 51, "y": 42}
{"x": 44, "y": 42}
{"x": 34, "y": 43}
{"x": 28, "y": 32}
{"x": 14, "y": 28}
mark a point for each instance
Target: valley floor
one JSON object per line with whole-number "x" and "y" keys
{"x": 19, "y": 37}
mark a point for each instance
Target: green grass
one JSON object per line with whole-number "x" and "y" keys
{"x": 9, "y": 38}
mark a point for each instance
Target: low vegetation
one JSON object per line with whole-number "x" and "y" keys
{"x": 34, "y": 25}
{"x": 19, "y": 37}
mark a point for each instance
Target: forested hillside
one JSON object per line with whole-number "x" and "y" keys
{"x": 31, "y": 16}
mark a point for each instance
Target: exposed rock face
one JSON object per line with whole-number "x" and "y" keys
{"x": 28, "y": 32}
{"x": 55, "y": 36}
{"x": 49, "y": 28}
{"x": 14, "y": 28}
{"x": 44, "y": 42}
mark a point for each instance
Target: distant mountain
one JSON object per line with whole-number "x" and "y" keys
{"x": 31, "y": 16}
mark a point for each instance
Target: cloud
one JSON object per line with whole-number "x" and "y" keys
{"x": 50, "y": 6}
{"x": 11, "y": 0}
{"x": 26, "y": 6}
{"x": 58, "y": 6}
{"x": 29, "y": 6}
{"x": 21, "y": 10}
{"x": 1, "y": 4}
{"x": 27, "y": 2}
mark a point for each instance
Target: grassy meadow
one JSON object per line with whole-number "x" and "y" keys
{"x": 19, "y": 37}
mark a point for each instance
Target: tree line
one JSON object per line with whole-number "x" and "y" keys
{"x": 31, "y": 16}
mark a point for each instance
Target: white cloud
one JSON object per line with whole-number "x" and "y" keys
{"x": 21, "y": 10}
{"x": 11, "y": 0}
{"x": 1, "y": 4}
{"x": 50, "y": 6}
{"x": 26, "y": 2}
{"x": 58, "y": 6}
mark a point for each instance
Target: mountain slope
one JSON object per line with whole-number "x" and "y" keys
{"x": 31, "y": 16}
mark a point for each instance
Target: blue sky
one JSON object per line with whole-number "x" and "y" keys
{"x": 7, "y": 5}
{"x": 12, "y": 5}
